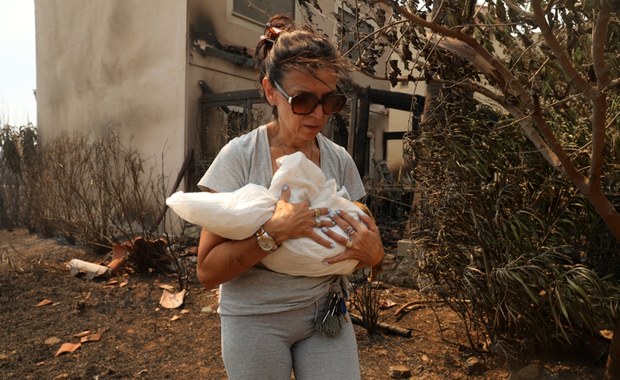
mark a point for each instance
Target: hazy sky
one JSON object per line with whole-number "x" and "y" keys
{"x": 17, "y": 62}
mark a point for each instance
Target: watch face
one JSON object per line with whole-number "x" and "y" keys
{"x": 266, "y": 242}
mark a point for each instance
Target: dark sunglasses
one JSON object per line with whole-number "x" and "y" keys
{"x": 304, "y": 103}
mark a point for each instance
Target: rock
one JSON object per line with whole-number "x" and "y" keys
{"x": 52, "y": 341}
{"x": 398, "y": 270}
{"x": 475, "y": 366}
{"x": 404, "y": 248}
{"x": 207, "y": 310}
{"x": 529, "y": 372}
{"x": 399, "y": 372}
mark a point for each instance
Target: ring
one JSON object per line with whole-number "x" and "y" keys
{"x": 317, "y": 213}
{"x": 350, "y": 231}
{"x": 349, "y": 244}
{"x": 317, "y": 223}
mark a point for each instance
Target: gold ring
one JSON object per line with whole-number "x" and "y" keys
{"x": 317, "y": 212}
{"x": 350, "y": 231}
{"x": 317, "y": 223}
{"x": 349, "y": 244}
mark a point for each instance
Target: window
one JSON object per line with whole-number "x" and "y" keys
{"x": 259, "y": 11}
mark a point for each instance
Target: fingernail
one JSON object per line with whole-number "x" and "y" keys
{"x": 331, "y": 245}
{"x": 285, "y": 187}
{"x": 323, "y": 229}
{"x": 332, "y": 213}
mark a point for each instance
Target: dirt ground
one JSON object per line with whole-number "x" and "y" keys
{"x": 129, "y": 335}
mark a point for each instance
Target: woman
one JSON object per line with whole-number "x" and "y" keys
{"x": 269, "y": 320}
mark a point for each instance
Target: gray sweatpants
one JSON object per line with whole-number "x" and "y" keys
{"x": 268, "y": 347}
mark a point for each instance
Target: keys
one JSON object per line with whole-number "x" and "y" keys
{"x": 330, "y": 323}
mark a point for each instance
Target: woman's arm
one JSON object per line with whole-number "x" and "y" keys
{"x": 220, "y": 259}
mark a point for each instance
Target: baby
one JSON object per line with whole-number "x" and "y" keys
{"x": 237, "y": 215}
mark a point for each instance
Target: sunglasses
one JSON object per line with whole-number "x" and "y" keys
{"x": 305, "y": 103}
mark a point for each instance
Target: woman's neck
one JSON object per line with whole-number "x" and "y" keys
{"x": 280, "y": 139}
{"x": 282, "y": 145}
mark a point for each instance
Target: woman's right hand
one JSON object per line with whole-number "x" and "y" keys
{"x": 297, "y": 220}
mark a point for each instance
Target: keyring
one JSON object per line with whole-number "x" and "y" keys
{"x": 350, "y": 231}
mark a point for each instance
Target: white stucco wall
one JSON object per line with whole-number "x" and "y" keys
{"x": 114, "y": 64}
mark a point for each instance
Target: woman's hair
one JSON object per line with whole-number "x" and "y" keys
{"x": 284, "y": 47}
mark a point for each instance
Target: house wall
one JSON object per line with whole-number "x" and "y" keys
{"x": 114, "y": 64}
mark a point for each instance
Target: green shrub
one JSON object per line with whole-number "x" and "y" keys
{"x": 507, "y": 235}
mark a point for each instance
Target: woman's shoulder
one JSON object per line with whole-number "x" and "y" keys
{"x": 334, "y": 152}
{"x": 244, "y": 145}
{"x": 247, "y": 140}
{"x": 339, "y": 164}
{"x": 232, "y": 167}
{"x": 331, "y": 146}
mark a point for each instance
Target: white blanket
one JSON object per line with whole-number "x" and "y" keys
{"x": 237, "y": 215}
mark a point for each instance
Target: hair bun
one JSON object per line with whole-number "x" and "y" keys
{"x": 271, "y": 33}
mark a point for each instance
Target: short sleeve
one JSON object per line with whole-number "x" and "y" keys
{"x": 226, "y": 172}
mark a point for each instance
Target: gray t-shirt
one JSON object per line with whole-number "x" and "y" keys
{"x": 246, "y": 159}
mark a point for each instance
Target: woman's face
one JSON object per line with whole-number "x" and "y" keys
{"x": 299, "y": 129}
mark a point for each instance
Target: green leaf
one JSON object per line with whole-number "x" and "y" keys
{"x": 525, "y": 287}
{"x": 561, "y": 304}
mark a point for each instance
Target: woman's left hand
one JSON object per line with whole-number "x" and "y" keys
{"x": 363, "y": 242}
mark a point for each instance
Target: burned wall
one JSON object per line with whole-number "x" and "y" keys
{"x": 117, "y": 65}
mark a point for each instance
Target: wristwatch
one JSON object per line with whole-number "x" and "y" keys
{"x": 265, "y": 242}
